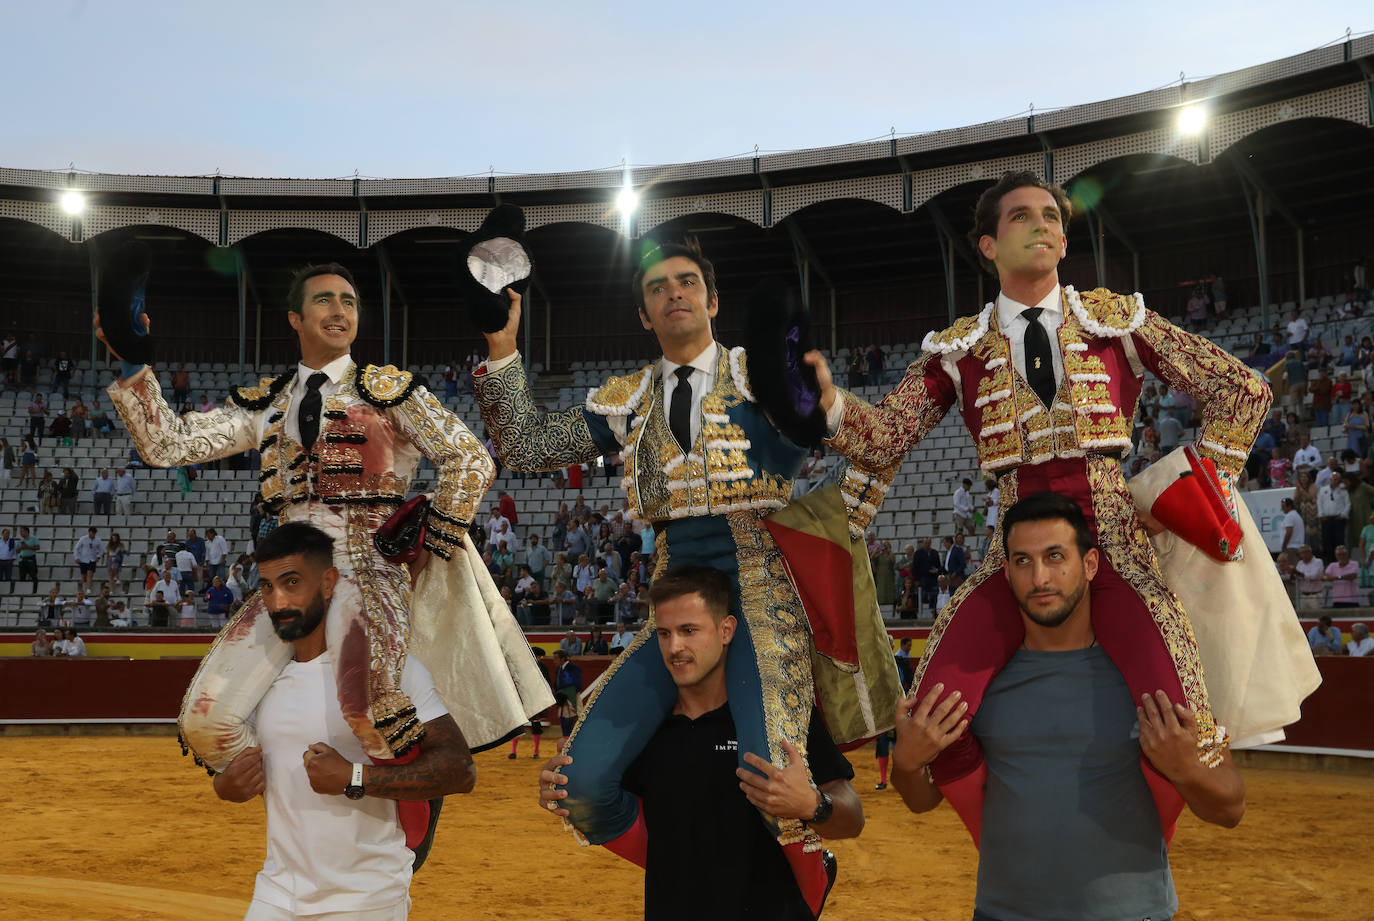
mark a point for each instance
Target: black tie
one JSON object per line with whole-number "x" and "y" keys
{"x": 309, "y": 419}
{"x": 680, "y": 413}
{"x": 1039, "y": 363}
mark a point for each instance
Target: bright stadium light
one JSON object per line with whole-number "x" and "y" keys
{"x": 1192, "y": 119}
{"x": 627, "y": 201}
{"x": 73, "y": 202}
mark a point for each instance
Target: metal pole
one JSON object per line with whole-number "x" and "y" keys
{"x": 243, "y": 310}
{"x": 386, "y": 313}
{"x": 529, "y": 322}
{"x": 95, "y": 301}
{"x": 257, "y": 336}
{"x": 548, "y": 334}
{"x": 1302, "y": 272}
{"x": 834, "y": 333}
{"x": 405, "y": 333}
{"x": 1263, "y": 243}
{"x": 1135, "y": 270}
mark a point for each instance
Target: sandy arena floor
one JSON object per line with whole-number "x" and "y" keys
{"x": 117, "y": 828}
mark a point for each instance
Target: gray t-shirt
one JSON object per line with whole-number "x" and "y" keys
{"x": 1070, "y": 830}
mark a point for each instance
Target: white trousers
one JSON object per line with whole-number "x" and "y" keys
{"x": 261, "y": 911}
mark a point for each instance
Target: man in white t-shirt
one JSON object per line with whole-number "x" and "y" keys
{"x": 1307, "y": 455}
{"x": 963, "y": 507}
{"x": 1361, "y": 643}
{"x": 1294, "y": 534}
{"x": 216, "y": 549}
{"x": 187, "y": 568}
{"x": 1310, "y": 570}
{"x": 335, "y": 844}
{"x": 1297, "y": 329}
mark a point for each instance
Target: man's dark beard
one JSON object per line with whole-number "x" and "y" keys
{"x": 305, "y": 622}
{"x": 1055, "y": 617}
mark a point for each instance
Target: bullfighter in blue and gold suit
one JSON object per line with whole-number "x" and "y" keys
{"x": 705, "y": 466}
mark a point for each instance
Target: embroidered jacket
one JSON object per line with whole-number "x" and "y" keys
{"x": 375, "y": 428}
{"x": 1107, "y": 341}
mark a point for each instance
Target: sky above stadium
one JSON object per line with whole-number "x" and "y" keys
{"x": 418, "y": 88}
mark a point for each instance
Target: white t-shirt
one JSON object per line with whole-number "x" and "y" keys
{"x": 216, "y": 550}
{"x": 171, "y": 591}
{"x": 76, "y": 647}
{"x": 1297, "y": 331}
{"x": 328, "y": 853}
{"x": 1307, "y": 457}
{"x": 1364, "y": 647}
{"x": 186, "y": 563}
{"x": 1293, "y": 520}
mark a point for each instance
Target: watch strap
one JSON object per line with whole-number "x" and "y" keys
{"x": 357, "y": 780}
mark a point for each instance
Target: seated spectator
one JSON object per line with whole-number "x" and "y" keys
{"x": 621, "y": 640}
{"x": 524, "y": 583}
{"x": 1361, "y": 644}
{"x": 596, "y": 645}
{"x": 503, "y": 556}
{"x": 59, "y": 644}
{"x": 41, "y": 645}
{"x": 61, "y": 426}
{"x": 236, "y": 583}
{"x": 79, "y": 610}
{"x": 119, "y": 615}
{"x": 561, "y": 571}
{"x": 604, "y": 588}
{"x": 1325, "y": 639}
{"x": 76, "y": 646}
{"x": 571, "y": 644}
{"x": 909, "y": 599}
{"x": 187, "y": 608}
{"x": 586, "y": 607}
{"x": 624, "y": 605}
{"x": 52, "y": 609}
{"x": 81, "y": 420}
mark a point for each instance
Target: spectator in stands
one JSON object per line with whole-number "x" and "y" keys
{"x": 884, "y": 566}
{"x": 585, "y": 607}
{"x": 1356, "y": 428}
{"x": 28, "y": 557}
{"x": 214, "y": 553}
{"x": 610, "y": 561}
{"x": 28, "y": 464}
{"x": 1170, "y": 431}
{"x": 596, "y": 644}
{"x": 954, "y": 562}
{"x": 1361, "y": 644}
{"x": 625, "y": 604}
{"x": 88, "y": 552}
{"x": 504, "y": 557}
{"x": 186, "y": 569}
{"x": 1333, "y": 508}
{"x": 76, "y": 646}
{"x": 1197, "y": 309}
{"x": 9, "y": 552}
{"x": 583, "y": 574}
{"x": 196, "y": 544}
{"x": 856, "y": 368}
{"x": 219, "y": 598}
{"x": 67, "y": 488}
{"x": 942, "y": 592}
{"x": 124, "y": 491}
{"x": 52, "y": 608}
{"x": 909, "y": 600}
{"x": 604, "y": 589}
{"x": 926, "y": 570}
{"x": 79, "y": 609}
{"x": 48, "y": 494}
{"x": 167, "y": 584}
{"x": 114, "y": 559}
{"x": 534, "y": 605}
{"x": 28, "y": 369}
{"x": 80, "y": 418}
{"x": 451, "y": 381}
{"x": 61, "y": 426}
{"x": 168, "y": 549}
{"x": 1317, "y": 357}
{"x": 1309, "y": 571}
{"x": 562, "y": 604}
{"x": 1344, "y": 575}
{"x": 102, "y": 493}
{"x": 963, "y": 507}
{"x": 1361, "y": 505}
{"x": 9, "y": 357}
{"x": 495, "y": 522}
{"x": 1219, "y": 296}
{"x": 1366, "y": 546}
{"x": 558, "y": 536}
{"x": 571, "y": 645}
{"x": 1305, "y": 500}
{"x": 187, "y": 609}
{"x": 181, "y": 385}
{"x": 1307, "y": 457}
{"x": 38, "y": 414}
{"x": 1324, "y": 639}
{"x": 874, "y": 360}
{"x": 9, "y": 461}
{"x": 42, "y": 645}
{"x": 1297, "y": 331}
{"x": 159, "y": 611}
{"x": 62, "y": 368}
{"x": 1294, "y": 531}
{"x": 1321, "y": 389}
{"x": 507, "y": 506}
{"x": 621, "y": 639}
{"x": 102, "y": 608}
{"x": 1341, "y": 395}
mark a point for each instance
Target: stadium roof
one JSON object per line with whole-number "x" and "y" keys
{"x": 879, "y": 223}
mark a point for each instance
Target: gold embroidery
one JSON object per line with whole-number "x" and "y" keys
{"x": 525, "y": 438}
{"x": 385, "y": 383}
{"x": 620, "y": 395}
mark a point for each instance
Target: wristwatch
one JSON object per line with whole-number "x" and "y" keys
{"x": 354, "y": 790}
{"x": 823, "y": 811}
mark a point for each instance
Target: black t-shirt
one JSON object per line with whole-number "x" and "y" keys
{"x": 710, "y": 854}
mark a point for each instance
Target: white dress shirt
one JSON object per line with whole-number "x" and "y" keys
{"x": 335, "y": 369}
{"x": 703, "y": 377}
{"x": 1014, "y": 328}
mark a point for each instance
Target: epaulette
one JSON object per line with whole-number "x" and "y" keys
{"x": 620, "y": 395}
{"x": 739, "y": 371}
{"x": 961, "y": 336}
{"x": 261, "y": 396}
{"x": 385, "y": 386}
{"x": 1106, "y": 314}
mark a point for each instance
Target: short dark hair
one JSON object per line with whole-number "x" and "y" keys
{"x": 654, "y": 252}
{"x": 989, "y": 209}
{"x": 711, "y": 584}
{"x": 297, "y": 537}
{"x": 295, "y": 293}
{"x": 1049, "y": 506}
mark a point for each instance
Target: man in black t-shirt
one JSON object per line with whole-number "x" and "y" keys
{"x": 700, "y": 810}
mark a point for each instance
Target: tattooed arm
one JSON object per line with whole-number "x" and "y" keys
{"x": 443, "y": 766}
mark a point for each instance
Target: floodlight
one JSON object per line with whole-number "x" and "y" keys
{"x": 627, "y": 201}
{"x": 1192, "y": 119}
{"x": 73, "y": 202}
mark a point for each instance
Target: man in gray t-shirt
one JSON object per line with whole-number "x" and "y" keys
{"x": 1069, "y": 828}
